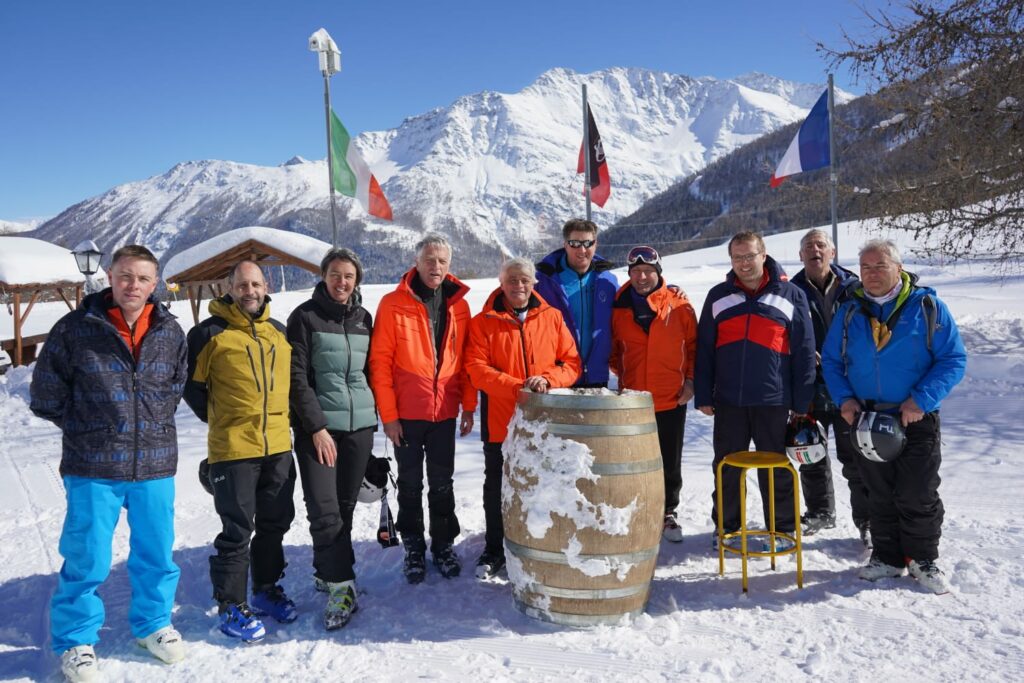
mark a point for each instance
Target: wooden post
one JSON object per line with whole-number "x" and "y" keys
{"x": 17, "y": 329}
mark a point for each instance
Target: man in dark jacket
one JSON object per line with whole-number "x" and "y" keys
{"x": 580, "y": 284}
{"x": 827, "y": 285}
{"x": 110, "y": 377}
{"x": 755, "y": 363}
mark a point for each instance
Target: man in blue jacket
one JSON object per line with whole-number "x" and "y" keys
{"x": 579, "y": 283}
{"x": 755, "y": 363}
{"x": 110, "y": 377}
{"x": 827, "y": 285}
{"x": 895, "y": 348}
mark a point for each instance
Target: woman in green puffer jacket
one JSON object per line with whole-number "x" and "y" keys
{"x": 334, "y": 418}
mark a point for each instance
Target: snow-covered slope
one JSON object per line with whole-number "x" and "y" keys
{"x": 495, "y": 171}
{"x": 13, "y": 227}
{"x": 697, "y": 626}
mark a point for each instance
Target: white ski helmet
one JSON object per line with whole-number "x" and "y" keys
{"x": 369, "y": 493}
{"x": 375, "y": 481}
{"x": 806, "y": 440}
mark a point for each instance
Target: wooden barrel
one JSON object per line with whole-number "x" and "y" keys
{"x": 583, "y": 503}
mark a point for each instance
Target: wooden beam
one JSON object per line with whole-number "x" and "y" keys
{"x": 31, "y": 303}
{"x": 16, "y": 356}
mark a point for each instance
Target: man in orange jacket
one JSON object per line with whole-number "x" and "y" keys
{"x": 418, "y": 380}
{"x": 517, "y": 341}
{"x": 654, "y": 346}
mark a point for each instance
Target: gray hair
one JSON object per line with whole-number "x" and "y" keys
{"x": 432, "y": 239}
{"x": 817, "y": 232}
{"x": 342, "y": 254}
{"x": 885, "y": 247}
{"x": 521, "y": 264}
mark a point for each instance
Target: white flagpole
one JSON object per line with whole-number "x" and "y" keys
{"x": 586, "y": 151}
{"x": 330, "y": 158}
{"x": 330, "y": 64}
{"x": 833, "y": 165}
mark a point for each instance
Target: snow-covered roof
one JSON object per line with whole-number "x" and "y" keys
{"x": 302, "y": 247}
{"x": 26, "y": 260}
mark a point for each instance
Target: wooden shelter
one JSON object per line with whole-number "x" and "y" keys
{"x": 211, "y": 273}
{"x": 20, "y": 348}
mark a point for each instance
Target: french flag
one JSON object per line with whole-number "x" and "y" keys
{"x": 809, "y": 149}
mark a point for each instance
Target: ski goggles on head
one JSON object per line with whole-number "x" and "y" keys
{"x": 643, "y": 255}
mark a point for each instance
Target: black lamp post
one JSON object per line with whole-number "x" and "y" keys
{"x": 87, "y": 256}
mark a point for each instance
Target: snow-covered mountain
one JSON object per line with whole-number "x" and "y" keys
{"x": 495, "y": 171}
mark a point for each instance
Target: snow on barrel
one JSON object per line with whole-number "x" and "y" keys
{"x": 583, "y": 502}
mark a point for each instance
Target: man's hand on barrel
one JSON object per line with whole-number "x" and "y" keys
{"x": 537, "y": 384}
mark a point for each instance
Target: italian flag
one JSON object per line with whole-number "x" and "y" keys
{"x": 351, "y": 176}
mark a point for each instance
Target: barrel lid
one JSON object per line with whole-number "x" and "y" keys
{"x": 583, "y": 399}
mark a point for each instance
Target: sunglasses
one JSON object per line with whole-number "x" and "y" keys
{"x": 576, "y": 244}
{"x": 645, "y": 255}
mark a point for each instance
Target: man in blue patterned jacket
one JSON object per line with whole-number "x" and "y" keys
{"x": 110, "y": 377}
{"x": 755, "y": 363}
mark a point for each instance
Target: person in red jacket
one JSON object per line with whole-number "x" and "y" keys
{"x": 517, "y": 341}
{"x": 418, "y": 381}
{"x": 654, "y": 346}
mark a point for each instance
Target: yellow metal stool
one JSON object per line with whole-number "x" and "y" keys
{"x": 755, "y": 460}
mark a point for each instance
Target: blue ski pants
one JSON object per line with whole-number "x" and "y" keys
{"x": 93, "y": 508}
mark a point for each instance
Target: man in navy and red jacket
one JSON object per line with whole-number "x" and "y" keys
{"x": 755, "y": 363}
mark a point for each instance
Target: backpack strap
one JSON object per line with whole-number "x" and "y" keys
{"x": 930, "y": 315}
{"x": 850, "y": 311}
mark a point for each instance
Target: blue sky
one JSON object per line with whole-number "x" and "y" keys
{"x": 99, "y": 93}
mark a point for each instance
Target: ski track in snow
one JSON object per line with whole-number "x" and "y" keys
{"x": 698, "y": 626}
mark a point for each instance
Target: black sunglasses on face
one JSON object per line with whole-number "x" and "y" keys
{"x": 576, "y": 244}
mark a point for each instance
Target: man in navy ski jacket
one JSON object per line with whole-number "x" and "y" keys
{"x": 755, "y": 363}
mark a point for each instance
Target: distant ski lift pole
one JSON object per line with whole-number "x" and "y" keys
{"x": 330, "y": 64}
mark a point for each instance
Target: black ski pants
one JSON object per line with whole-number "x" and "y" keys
{"x": 905, "y": 509}
{"x": 671, "y": 424}
{"x": 432, "y": 443}
{"x": 254, "y": 500}
{"x": 331, "y": 494}
{"x": 816, "y": 478}
{"x": 494, "y": 534}
{"x": 734, "y": 429}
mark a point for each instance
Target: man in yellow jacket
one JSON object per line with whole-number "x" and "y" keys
{"x": 239, "y": 364}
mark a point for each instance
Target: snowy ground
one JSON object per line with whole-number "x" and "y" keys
{"x": 698, "y": 626}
